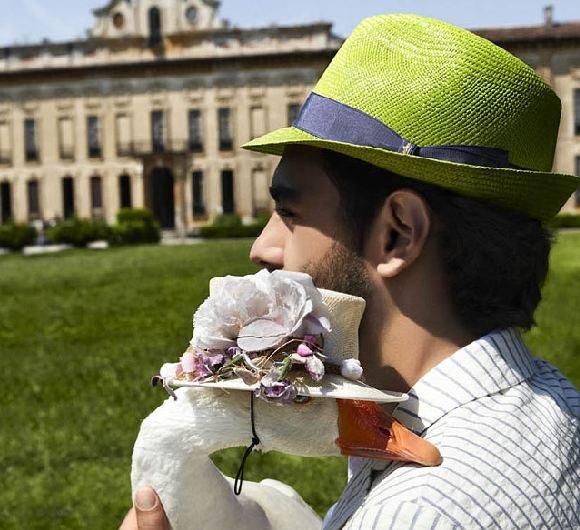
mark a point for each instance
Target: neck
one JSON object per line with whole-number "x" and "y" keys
{"x": 172, "y": 452}
{"x": 411, "y": 338}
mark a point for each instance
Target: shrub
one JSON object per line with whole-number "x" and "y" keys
{"x": 78, "y": 232}
{"x": 566, "y": 220}
{"x": 262, "y": 219}
{"x": 135, "y": 226}
{"x": 129, "y": 215}
{"x": 228, "y": 220}
{"x": 16, "y": 236}
{"x": 218, "y": 232}
{"x": 221, "y": 228}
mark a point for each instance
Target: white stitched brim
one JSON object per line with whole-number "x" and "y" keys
{"x": 331, "y": 386}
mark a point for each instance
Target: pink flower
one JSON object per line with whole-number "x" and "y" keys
{"x": 197, "y": 364}
{"x": 188, "y": 362}
{"x": 314, "y": 367}
{"x": 303, "y": 350}
{"x": 278, "y": 391}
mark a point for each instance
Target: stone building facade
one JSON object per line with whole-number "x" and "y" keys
{"x": 553, "y": 50}
{"x": 150, "y": 110}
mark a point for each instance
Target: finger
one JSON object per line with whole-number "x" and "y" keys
{"x": 149, "y": 511}
{"x": 130, "y": 521}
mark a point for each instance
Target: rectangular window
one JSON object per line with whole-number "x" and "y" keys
{"x": 96, "y": 194}
{"x": 577, "y": 112}
{"x": 66, "y": 138}
{"x": 33, "y": 199}
{"x": 30, "y": 140}
{"x": 68, "y": 197}
{"x": 195, "y": 131}
{"x": 197, "y": 193}
{"x": 123, "y": 134}
{"x": 257, "y": 121}
{"x": 228, "y": 202}
{"x": 5, "y": 202}
{"x": 5, "y": 143}
{"x": 293, "y": 111}
{"x": 158, "y": 131}
{"x": 225, "y": 129}
{"x": 260, "y": 192}
{"x": 125, "y": 191}
{"x": 94, "y": 139}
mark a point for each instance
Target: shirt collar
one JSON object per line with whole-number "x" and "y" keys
{"x": 492, "y": 363}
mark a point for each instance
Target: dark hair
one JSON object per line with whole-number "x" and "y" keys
{"x": 495, "y": 260}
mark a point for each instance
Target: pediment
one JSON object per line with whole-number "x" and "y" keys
{"x": 106, "y": 9}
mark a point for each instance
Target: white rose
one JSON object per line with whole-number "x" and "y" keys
{"x": 351, "y": 369}
{"x": 260, "y": 311}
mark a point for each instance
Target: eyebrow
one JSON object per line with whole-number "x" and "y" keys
{"x": 280, "y": 192}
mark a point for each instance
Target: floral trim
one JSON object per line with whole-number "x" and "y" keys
{"x": 267, "y": 329}
{"x": 269, "y": 368}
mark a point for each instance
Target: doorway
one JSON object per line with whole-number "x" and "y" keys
{"x": 161, "y": 199}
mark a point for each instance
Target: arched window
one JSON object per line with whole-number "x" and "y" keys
{"x": 68, "y": 197}
{"x": 154, "y": 27}
{"x": 125, "y": 192}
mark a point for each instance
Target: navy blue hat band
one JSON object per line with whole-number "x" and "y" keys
{"x": 331, "y": 120}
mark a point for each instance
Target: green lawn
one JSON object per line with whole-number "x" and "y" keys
{"x": 82, "y": 332}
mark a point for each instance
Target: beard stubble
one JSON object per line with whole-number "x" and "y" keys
{"x": 342, "y": 270}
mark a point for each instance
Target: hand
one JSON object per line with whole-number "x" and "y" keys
{"x": 147, "y": 513}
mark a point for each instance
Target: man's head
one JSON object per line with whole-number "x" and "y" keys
{"x": 363, "y": 230}
{"x": 418, "y": 176}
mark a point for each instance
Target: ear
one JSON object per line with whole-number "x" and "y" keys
{"x": 406, "y": 221}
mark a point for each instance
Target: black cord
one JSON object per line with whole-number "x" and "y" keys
{"x": 239, "y": 482}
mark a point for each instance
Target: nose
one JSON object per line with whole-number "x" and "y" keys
{"x": 268, "y": 248}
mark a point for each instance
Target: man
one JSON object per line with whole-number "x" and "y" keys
{"x": 417, "y": 176}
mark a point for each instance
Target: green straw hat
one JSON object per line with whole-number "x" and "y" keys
{"x": 436, "y": 103}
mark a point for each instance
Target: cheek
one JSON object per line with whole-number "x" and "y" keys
{"x": 305, "y": 245}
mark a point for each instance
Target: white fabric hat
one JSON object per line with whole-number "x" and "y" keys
{"x": 340, "y": 344}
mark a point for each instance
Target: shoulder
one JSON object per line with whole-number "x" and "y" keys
{"x": 550, "y": 384}
{"x": 509, "y": 461}
{"x": 404, "y": 514}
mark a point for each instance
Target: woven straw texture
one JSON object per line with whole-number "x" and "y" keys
{"x": 437, "y": 84}
{"x": 346, "y": 313}
{"x": 341, "y": 343}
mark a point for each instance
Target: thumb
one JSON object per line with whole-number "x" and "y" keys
{"x": 149, "y": 511}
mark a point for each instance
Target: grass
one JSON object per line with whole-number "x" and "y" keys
{"x": 80, "y": 335}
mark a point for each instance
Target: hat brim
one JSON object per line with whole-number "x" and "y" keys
{"x": 539, "y": 195}
{"x": 331, "y": 386}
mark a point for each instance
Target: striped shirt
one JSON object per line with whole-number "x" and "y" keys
{"x": 507, "y": 425}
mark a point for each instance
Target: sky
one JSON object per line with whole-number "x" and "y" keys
{"x": 28, "y": 21}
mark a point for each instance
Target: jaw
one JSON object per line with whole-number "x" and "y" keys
{"x": 365, "y": 430}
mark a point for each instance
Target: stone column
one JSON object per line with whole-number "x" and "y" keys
{"x": 179, "y": 172}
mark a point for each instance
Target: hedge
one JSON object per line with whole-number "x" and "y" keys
{"x": 566, "y": 220}
{"x": 230, "y": 226}
{"x": 16, "y": 236}
{"x": 220, "y": 232}
{"x": 78, "y": 232}
{"x": 230, "y": 220}
{"x": 134, "y": 226}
